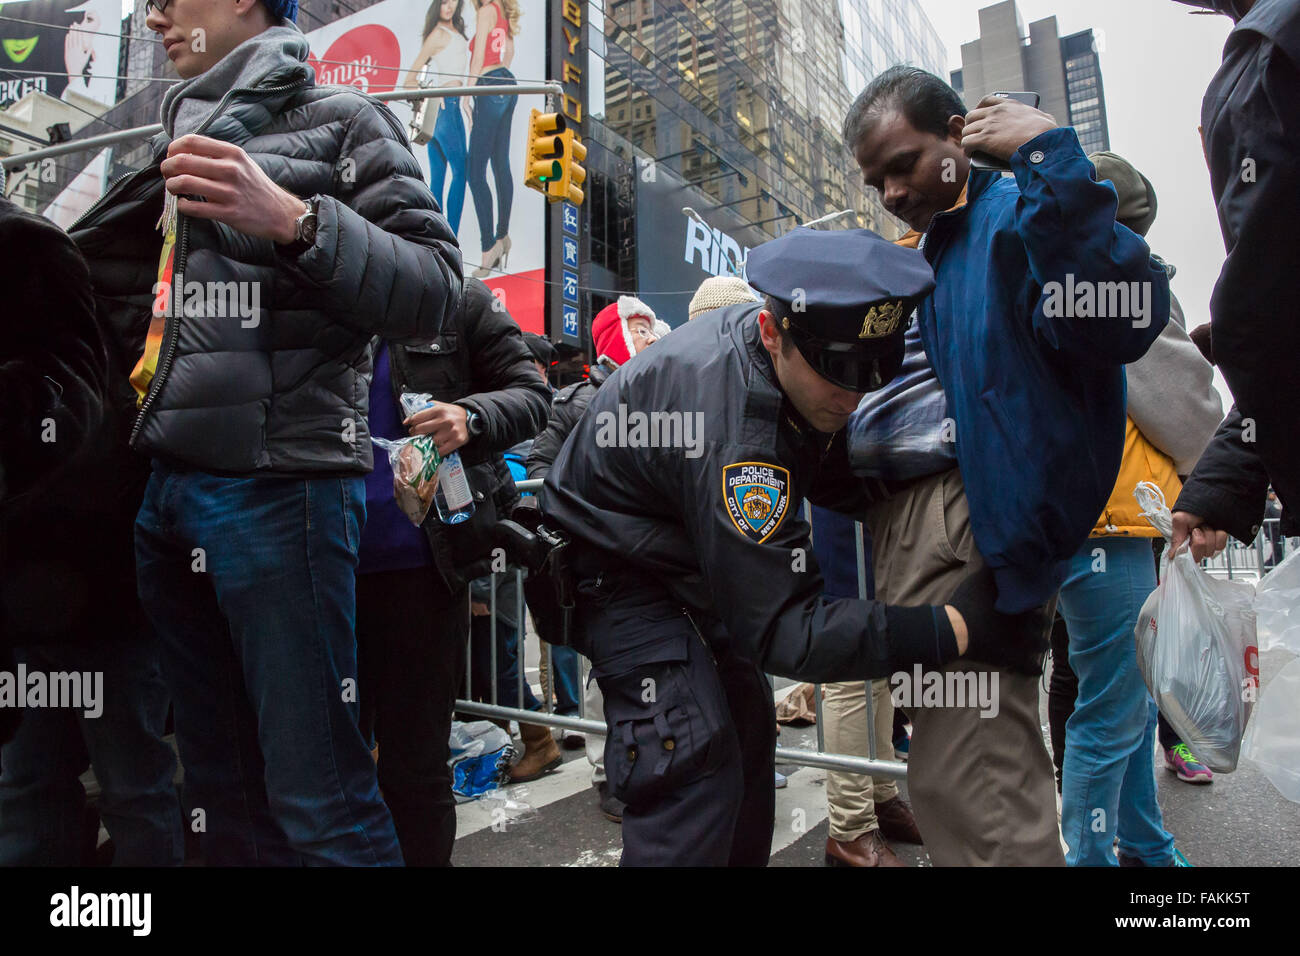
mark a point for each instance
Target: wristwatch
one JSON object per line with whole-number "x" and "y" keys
{"x": 304, "y": 229}
{"x": 474, "y": 424}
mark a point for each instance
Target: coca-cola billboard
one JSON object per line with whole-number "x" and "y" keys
{"x": 368, "y": 57}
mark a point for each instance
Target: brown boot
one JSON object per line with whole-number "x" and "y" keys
{"x": 870, "y": 849}
{"x": 897, "y": 822}
{"x": 541, "y": 755}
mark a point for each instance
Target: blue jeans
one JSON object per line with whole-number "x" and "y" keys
{"x": 566, "y": 671}
{"x": 489, "y": 141}
{"x": 507, "y": 683}
{"x": 250, "y": 583}
{"x": 1108, "y": 786}
{"x": 447, "y": 150}
{"x": 42, "y": 801}
{"x": 507, "y": 643}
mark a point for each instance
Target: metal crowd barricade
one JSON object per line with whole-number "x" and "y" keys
{"x": 1240, "y": 560}
{"x": 546, "y": 717}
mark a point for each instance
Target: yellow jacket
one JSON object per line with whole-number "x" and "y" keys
{"x": 1142, "y": 462}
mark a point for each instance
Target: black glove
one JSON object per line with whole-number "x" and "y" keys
{"x": 1017, "y": 642}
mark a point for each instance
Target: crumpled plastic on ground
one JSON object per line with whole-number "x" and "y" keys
{"x": 481, "y": 753}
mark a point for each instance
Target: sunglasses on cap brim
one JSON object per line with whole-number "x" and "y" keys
{"x": 848, "y": 365}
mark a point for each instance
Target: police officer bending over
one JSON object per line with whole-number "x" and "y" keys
{"x": 696, "y": 572}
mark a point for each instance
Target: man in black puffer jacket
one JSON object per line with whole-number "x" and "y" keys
{"x": 293, "y": 227}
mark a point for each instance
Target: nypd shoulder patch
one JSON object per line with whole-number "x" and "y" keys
{"x": 757, "y": 495}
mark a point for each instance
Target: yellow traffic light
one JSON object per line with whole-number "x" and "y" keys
{"x": 572, "y": 173}
{"x": 543, "y": 165}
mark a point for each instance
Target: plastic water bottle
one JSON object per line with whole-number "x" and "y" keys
{"x": 451, "y": 496}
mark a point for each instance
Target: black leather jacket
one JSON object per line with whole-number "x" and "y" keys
{"x": 479, "y": 361}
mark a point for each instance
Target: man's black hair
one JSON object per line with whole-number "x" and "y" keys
{"x": 541, "y": 348}
{"x": 926, "y": 101}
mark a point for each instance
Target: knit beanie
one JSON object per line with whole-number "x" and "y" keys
{"x": 610, "y": 332}
{"x": 1137, "y": 197}
{"x": 718, "y": 292}
{"x": 288, "y": 9}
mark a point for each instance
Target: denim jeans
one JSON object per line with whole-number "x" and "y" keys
{"x": 1108, "y": 786}
{"x": 42, "y": 801}
{"x": 448, "y": 151}
{"x": 566, "y": 673}
{"x": 507, "y": 644}
{"x": 250, "y": 583}
{"x": 507, "y": 683}
{"x": 489, "y": 141}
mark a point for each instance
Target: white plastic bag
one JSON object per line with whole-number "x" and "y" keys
{"x": 1273, "y": 741}
{"x": 1196, "y": 648}
{"x": 1277, "y": 604}
{"x": 480, "y": 754}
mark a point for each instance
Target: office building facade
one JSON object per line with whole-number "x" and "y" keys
{"x": 734, "y": 111}
{"x": 1064, "y": 71}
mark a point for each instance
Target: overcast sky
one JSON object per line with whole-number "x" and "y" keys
{"x": 1156, "y": 60}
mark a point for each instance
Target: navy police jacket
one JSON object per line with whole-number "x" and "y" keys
{"x": 1040, "y": 300}
{"x": 706, "y": 498}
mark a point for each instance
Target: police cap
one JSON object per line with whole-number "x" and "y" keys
{"x": 845, "y": 296}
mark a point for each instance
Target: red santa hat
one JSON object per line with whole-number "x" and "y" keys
{"x": 610, "y": 331}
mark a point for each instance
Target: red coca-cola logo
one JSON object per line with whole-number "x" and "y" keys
{"x": 368, "y": 57}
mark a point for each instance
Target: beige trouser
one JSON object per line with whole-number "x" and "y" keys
{"x": 982, "y": 787}
{"x": 851, "y": 797}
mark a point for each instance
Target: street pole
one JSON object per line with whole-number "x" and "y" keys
{"x": 19, "y": 160}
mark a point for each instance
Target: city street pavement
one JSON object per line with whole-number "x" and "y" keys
{"x": 1239, "y": 820}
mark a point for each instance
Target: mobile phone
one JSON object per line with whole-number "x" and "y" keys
{"x": 984, "y": 160}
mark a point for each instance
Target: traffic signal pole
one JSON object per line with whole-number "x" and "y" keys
{"x": 553, "y": 165}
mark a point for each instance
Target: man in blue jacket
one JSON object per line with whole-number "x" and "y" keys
{"x": 1040, "y": 299}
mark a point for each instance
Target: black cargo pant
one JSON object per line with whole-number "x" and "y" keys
{"x": 691, "y": 727}
{"x": 411, "y": 635}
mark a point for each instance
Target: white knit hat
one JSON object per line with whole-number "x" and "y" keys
{"x": 718, "y": 292}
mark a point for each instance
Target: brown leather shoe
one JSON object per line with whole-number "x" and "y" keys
{"x": 541, "y": 755}
{"x": 870, "y": 849}
{"x": 897, "y": 822}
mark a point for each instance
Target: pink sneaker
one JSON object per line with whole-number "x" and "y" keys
{"x": 1183, "y": 762}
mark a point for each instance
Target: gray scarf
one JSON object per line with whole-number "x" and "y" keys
{"x": 275, "y": 57}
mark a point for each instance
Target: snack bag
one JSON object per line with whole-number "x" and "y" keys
{"x": 415, "y": 464}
